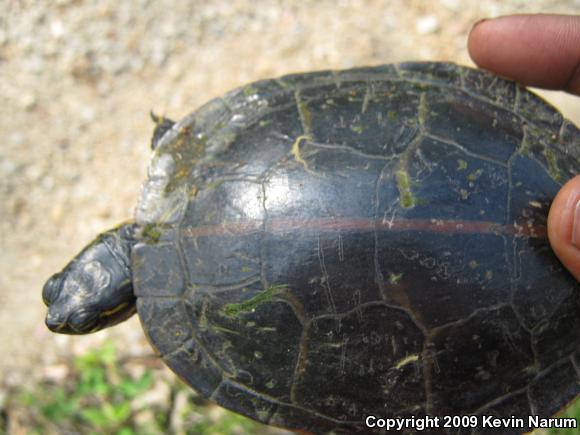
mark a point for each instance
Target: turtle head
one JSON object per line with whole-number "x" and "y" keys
{"x": 94, "y": 290}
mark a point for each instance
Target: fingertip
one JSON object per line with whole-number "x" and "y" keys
{"x": 535, "y": 50}
{"x": 564, "y": 226}
{"x": 476, "y": 40}
{"x": 492, "y": 43}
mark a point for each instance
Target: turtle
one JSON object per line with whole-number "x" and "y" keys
{"x": 327, "y": 247}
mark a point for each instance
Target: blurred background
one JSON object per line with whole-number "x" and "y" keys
{"x": 77, "y": 82}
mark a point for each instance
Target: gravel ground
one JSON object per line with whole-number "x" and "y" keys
{"x": 77, "y": 81}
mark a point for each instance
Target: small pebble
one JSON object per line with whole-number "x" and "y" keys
{"x": 159, "y": 395}
{"x": 55, "y": 373}
{"x": 454, "y": 5}
{"x": 57, "y": 29}
{"x": 427, "y": 24}
{"x": 28, "y": 101}
{"x": 145, "y": 418}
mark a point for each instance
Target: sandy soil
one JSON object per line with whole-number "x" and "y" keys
{"x": 77, "y": 81}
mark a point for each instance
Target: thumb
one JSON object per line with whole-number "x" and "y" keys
{"x": 564, "y": 226}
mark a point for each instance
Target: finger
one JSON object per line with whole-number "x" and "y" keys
{"x": 564, "y": 226}
{"x": 536, "y": 50}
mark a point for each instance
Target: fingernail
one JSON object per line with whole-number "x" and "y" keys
{"x": 576, "y": 226}
{"x": 477, "y": 23}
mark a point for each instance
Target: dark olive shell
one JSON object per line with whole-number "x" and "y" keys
{"x": 327, "y": 246}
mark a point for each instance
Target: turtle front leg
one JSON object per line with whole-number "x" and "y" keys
{"x": 95, "y": 289}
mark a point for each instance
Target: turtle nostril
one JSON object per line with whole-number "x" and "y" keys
{"x": 53, "y": 323}
{"x": 51, "y": 289}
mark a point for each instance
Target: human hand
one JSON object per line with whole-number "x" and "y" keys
{"x": 543, "y": 51}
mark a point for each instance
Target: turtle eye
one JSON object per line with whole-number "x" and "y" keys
{"x": 96, "y": 274}
{"x": 51, "y": 289}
